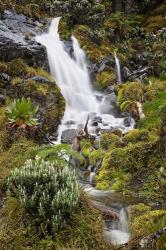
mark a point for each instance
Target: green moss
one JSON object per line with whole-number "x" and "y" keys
{"x": 138, "y": 210}
{"x": 105, "y": 79}
{"x": 120, "y": 181}
{"x": 109, "y": 141}
{"x": 136, "y": 135}
{"x": 148, "y": 223}
{"x": 131, "y": 91}
{"x": 95, "y": 156}
{"x": 86, "y": 147}
{"x": 155, "y": 88}
{"x": 15, "y": 156}
{"x": 134, "y": 167}
{"x": 153, "y": 112}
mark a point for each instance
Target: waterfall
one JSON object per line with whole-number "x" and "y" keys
{"x": 118, "y": 69}
{"x": 72, "y": 77}
{"x": 119, "y": 232}
{"x": 123, "y": 221}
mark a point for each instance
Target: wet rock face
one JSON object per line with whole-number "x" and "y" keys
{"x": 17, "y": 39}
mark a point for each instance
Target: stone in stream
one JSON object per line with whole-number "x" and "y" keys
{"x": 127, "y": 121}
{"x": 69, "y": 135}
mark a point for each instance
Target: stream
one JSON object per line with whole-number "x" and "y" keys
{"x": 82, "y": 101}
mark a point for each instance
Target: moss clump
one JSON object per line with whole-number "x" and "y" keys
{"x": 104, "y": 79}
{"x": 132, "y": 91}
{"x": 95, "y": 156}
{"x": 86, "y": 148}
{"x": 109, "y": 141}
{"x": 136, "y": 135}
{"x": 148, "y": 223}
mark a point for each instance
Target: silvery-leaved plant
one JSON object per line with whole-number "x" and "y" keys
{"x": 48, "y": 193}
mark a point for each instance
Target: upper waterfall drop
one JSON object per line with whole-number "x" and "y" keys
{"x": 72, "y": 77}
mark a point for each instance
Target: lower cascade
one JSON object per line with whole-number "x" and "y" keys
{"x": 72, "y": 76}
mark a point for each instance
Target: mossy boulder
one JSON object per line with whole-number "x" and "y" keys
{"x": 147, "y": 223}
{"x": 40, "y": 86}
{"x": 109, "y": 140}
{"x": 136, "y": 135}
{"x": 134, "y": 167}
{"x": 96, "y": 157}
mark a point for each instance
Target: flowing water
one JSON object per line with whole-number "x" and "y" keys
{"x": 118, "y": 69}
{"x": 72, "y": 77}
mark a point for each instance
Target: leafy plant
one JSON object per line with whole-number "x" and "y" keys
{"x": 21, "y": 113}
{"x": 46, "y": 191}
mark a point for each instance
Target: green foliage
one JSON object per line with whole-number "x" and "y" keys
{"x": 21, "y": 112}
{"x": 132, "y": 91}
{"x": 128, "y": 106}
{"x": 122, "y": 24}
{"x": 136, "y": 135}
{"x": 104, "y": 79}
{"x": 61, "y": 154}
{"x": 48, "y": 193}
{"x": 153, "y": 112}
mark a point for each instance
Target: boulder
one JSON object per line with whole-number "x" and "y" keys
{"x": 68, "y": 135}
{"x": 14, "y": 30}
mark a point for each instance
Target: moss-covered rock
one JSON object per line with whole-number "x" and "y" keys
{"x": 136, "y": 135}
{"x": 109, "y": 140}
{"x": 134, "y": 167}
{"x": 40, "y": 86}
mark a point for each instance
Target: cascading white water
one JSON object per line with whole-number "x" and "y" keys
{"x": 118, "y": 69}
{"x": 120, "y": 234}
{"x": 71, "y": 75}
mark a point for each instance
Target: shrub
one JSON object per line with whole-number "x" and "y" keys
{"x": 21, "y": 112}
{"x": 48, "y": 193}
